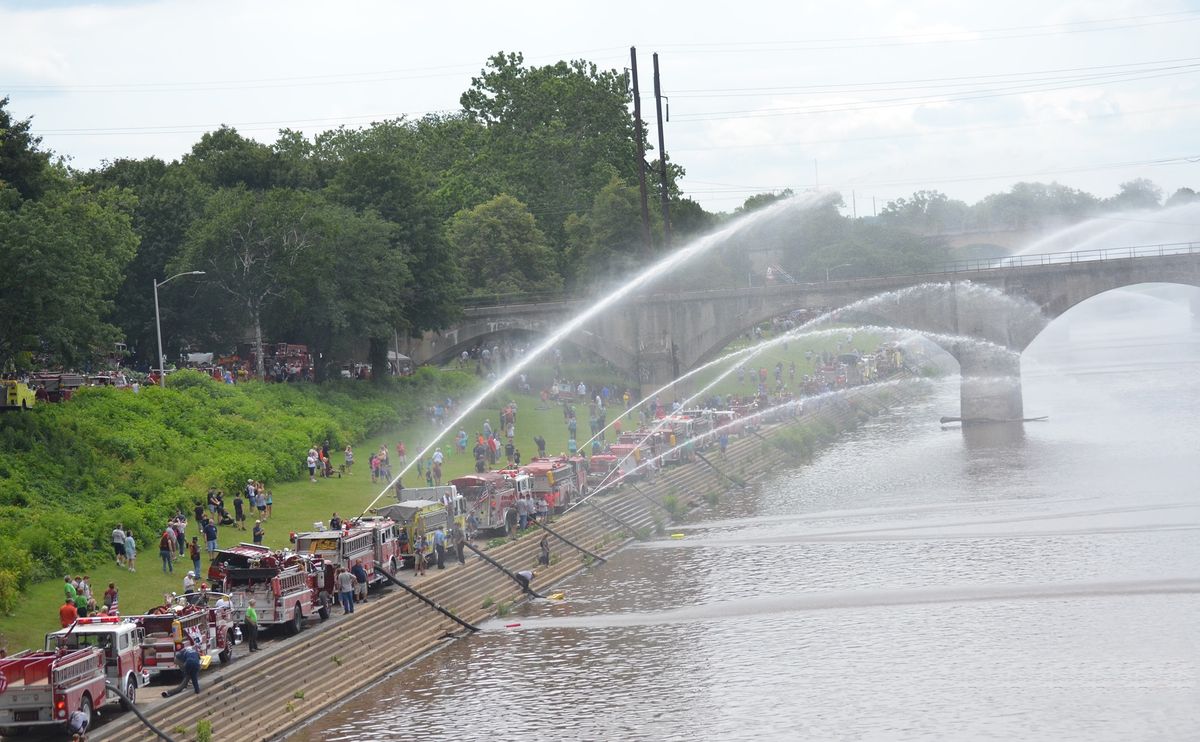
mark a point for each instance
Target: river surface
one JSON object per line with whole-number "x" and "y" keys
{"x": 911, "y": 583}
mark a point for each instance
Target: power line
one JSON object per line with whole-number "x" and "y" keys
{"x": 943, "y": 131}
{"x": 919, "y": 100}
{"x": 965, "y": 36}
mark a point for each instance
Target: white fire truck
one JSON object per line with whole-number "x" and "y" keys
{"x": 121, "y": 640}
{"x": 43, "y": 689}
{"x": 282, "y": 584}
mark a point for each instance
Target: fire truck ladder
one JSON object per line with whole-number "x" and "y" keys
{"x": 524, "y": 586}
{"x": 780, "y": 275}
{"x": 567, "y": 541}
{"x": 428, "y": 601}
{"x": 137, "y": 712}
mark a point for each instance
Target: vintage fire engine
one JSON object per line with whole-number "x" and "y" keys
{"x": 120, "y": 639}
{"x": 373, "y": 540}
{"x": 492, "y": 498}
{"x": 282, "y": 584}
{"x": 171, "y": 627}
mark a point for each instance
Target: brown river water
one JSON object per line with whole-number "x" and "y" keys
{"x": 911, "y": 583}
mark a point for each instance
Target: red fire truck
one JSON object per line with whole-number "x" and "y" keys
{"x": 492, "y": 497}
{"x": 171, "y": 627}
{"x": 372, "y": 539}
{"x": 556, "y": 480}
{"x": 42, "y": 689}
{"x": 121, "y": 641}
{"x": 283, "y": 585}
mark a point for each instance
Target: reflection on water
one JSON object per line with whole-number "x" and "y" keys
{"x": 911, "y": 583}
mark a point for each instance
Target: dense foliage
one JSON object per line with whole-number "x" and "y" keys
{"x": 72, "y": 471}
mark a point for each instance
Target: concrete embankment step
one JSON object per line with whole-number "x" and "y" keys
{"x": 295, "y": 678}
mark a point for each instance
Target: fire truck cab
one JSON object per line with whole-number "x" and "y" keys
{"x": 121, "y": 641}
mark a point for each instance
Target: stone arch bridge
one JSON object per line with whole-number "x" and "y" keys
{"x": 656, "y": 337}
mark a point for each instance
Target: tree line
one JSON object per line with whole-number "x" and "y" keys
{"x": 341, "y": 240}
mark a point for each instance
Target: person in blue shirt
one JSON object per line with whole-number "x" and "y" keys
{"x": 439, "y": 547}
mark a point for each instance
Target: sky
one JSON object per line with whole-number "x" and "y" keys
{"x": 874, "y": 99}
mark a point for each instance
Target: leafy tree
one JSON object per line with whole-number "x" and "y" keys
{"x": 23, "y": 167}
{"x": 607, "y": 241}
{"x": 550, "y": 129}
{"x": 1138, "y": 193}
{"x": 762, "y": 200}
{"x": 928, "y": 212}
{"x": 252, "y": 246}
{"x": 1182, "y": 196}
{"x": 64, "y": 255}
{"x": 225, "y": 159}
{"x": 169, "y": 199}
{"x": 1033, "y": 205}
{"x": 379, "y": 178}
{"x": 501, "y": 249}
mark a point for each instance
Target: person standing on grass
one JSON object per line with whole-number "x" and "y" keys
{"x": 194, "y": 554}
{"x": 118, "y": 542}
{"x": 111, "y": 596}
{"x": 270, "y": 500}
{"x": 165, "y": 545}
{"x": 311, "y": 463}
{"x": 401, "y": 453}
{"x": 239, "y": 512}
{"x": 130, "y": 551}
{"x": 210, "y": 537}
{"x": 258, "y": 532}
{"x": 349, "y": 454}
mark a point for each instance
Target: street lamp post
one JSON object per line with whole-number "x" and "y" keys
{"x": 833, "y": 268}
{"x": 162, "y": 372}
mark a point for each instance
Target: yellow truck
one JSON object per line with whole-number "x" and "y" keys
{"x": 17, "y": 395}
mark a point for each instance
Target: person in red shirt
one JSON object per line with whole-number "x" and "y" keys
{"x": 67, "y": 614}
{"x": 401, "y": 453}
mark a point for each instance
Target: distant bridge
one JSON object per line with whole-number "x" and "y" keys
{"x": 655, "y": 337}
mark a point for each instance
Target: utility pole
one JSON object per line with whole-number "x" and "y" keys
{"x": 641, "y": 150}
{"x": 854, "y": 204}
{"x": 662, "y": 159}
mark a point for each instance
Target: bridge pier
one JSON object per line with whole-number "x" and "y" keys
{"x": 991, "y": 384}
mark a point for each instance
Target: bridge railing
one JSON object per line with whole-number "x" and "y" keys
{"x": 1078, "y": 256}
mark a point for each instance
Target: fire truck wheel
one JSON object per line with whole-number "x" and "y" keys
{"x": 291, "y": 628}
{"x": 85, "y": 705}
{"x": 227, "y": 652}
{"x": 130, "y": 692}
{"x": 323, "y": 612}
{"x": 393, "y": 564}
